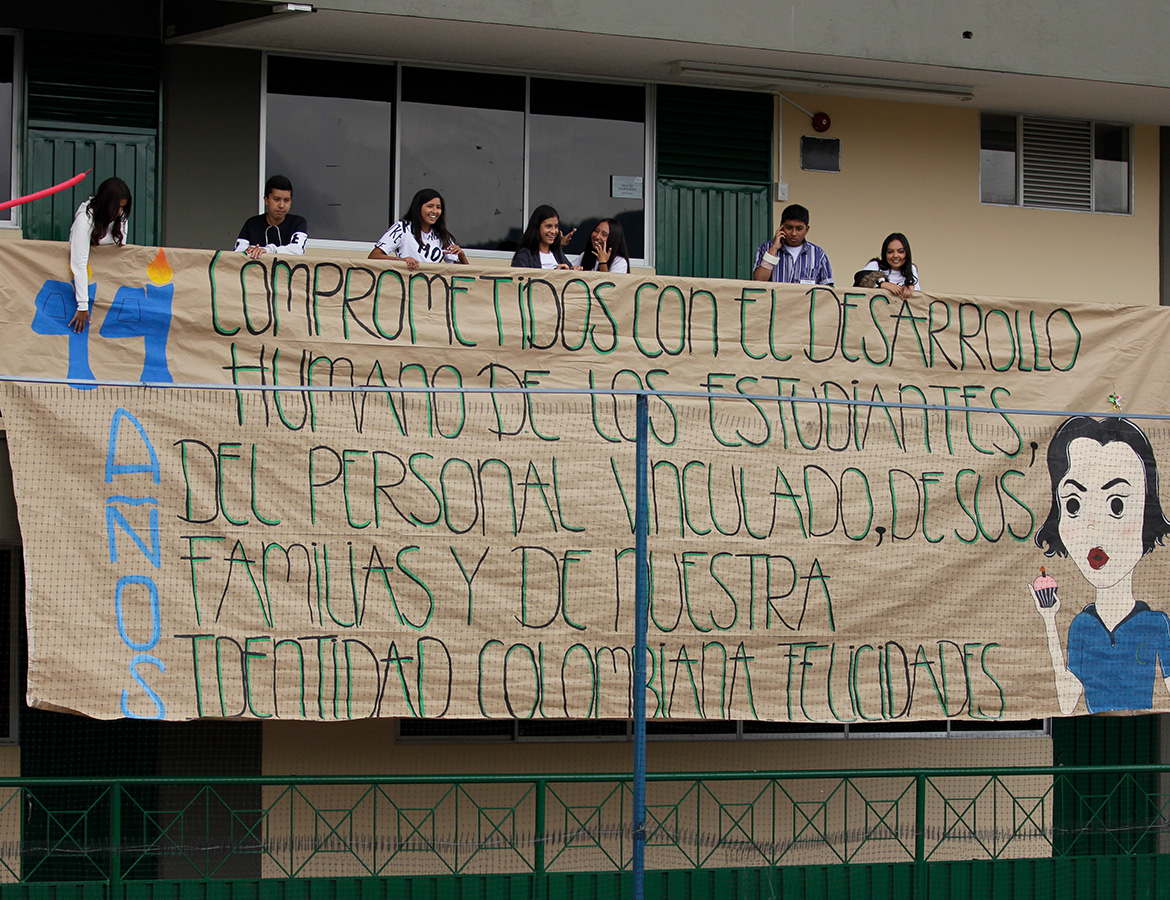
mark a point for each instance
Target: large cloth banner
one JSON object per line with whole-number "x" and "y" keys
{"x": 338, "y": 554}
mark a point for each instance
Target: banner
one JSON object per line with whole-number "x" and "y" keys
{"x": 371, "y": 551}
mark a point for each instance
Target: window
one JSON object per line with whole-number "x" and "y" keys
{"x": 329, "y": 130}
{"x": 586, "y": 142}
{"x": 494, "y": 145}
{"x": 463, "y": 135}
{"x": 1054, "y": 163}
{"x": 496, "y": 730}
{"x": 7, "y": 119}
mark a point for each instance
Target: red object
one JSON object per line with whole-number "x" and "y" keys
{"x": 47, "y": 192}
{"x": 821, "y": 122}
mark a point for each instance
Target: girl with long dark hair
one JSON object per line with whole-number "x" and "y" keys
{"x": 607, "y": 250}
{"x": 102, "y": 219}
{"x": 421, "y": 234}
{"x": 542, "y": 246}
{"x": 895, "y": 263}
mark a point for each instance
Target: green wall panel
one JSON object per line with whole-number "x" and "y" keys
{"x": 90, "y": 104}
{"x": 714, "y": 156}
{"x": 1100, "y": 741}
{"x": 709, "y": 230}
{"x": 1144, "y": 877}
{"x": 54, "y": 156}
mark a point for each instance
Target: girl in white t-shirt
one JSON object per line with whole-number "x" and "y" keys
{"x": 102, "y": 219}
{"x": 607, "y": 251}
{"x": 895, "y": 264}
{"x": 421, "y": 234}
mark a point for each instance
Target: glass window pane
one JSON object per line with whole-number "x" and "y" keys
{"x": 483, "y": 90}
{"x": 330, "y": 78}
{"x": 7, "y": 79}
{"x": 554, "y": 97}
{"x": 330, "y": 130}
{"x": 472, "y": 155}
{"x": 1111, "y": 168}
{"x": 997, "y": 159}
{"x": 572, "y": 728}
{"x": 579, "y": 157}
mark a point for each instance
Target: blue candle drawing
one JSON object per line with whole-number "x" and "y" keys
{"x": 55, "y": 306}
{"x": 146, "y": 313}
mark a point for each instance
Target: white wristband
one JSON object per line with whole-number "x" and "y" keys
{"x": 769, "y": 258}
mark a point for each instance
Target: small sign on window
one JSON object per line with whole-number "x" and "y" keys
{"x": 625, "y": 187}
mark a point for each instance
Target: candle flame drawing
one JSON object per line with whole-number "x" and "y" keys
{"x": 159, "y": 271}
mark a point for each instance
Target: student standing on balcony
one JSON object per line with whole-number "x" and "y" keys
{"x": 102, "y": 219}
{"x": 276, "y": 230}
{"x": 421, "y": 235}
{"x": 541, "y": 246}
{"x": 899, "y": 274}
{"x": 789, "y": 257}
{"x": 607, "y": 251}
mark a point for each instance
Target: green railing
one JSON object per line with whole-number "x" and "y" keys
{"x": 139, "y": 829}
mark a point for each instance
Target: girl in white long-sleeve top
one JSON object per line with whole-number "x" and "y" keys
{"x": 102, "y": 219}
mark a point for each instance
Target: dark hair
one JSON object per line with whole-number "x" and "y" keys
{"x": 412, "y": 218}
{"x": 530, "y": 240}
{"x": 277, "y": 183}
{"x": 1103, "y": 431}
{"x": 107, "y": 213}
{"x": 907, "y": 268}
{"x": 794, "y": 212}
{"x": 615, "y": 243}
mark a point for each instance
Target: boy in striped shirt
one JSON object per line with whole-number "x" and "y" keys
{"x": 790, "y": 258}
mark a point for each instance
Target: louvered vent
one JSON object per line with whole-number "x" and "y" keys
{"x": 76, "y": 81}
{"x": 1057, "y": 164}
{"x": 713, "y": 135}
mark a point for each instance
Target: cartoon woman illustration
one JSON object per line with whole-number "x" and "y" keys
{"x": 1106, "y": 515}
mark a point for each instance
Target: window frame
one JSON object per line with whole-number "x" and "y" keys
{"x": 14, "y": 221}
{"x": 816, "y": 731}
{"x": 648, "y": 123}
{"x": 1019, "y": 163}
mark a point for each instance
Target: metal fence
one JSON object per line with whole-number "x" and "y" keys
{"x": 152, "y": 829}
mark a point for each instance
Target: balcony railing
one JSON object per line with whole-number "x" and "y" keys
{"x": 137, "y": 829}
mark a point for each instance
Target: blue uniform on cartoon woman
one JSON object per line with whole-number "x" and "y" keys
{"x": 1106, "y": 515}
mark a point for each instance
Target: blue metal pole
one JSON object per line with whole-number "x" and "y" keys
{"x": 641, "y": 564}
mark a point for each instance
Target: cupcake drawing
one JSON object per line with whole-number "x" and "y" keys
{"x": 1045, "y": 588}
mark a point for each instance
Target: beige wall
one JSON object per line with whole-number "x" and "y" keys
{"x": 915, "y": 168}
{"x": 325, "y": 830}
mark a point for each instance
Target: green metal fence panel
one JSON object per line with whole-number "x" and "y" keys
{"x": 1099, "y": 878}
{"x": 948, "y": 833}
{"x": 1092, "y": 809}
{"x": 709, "y": 229}
{"x": 54, "y": 156}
